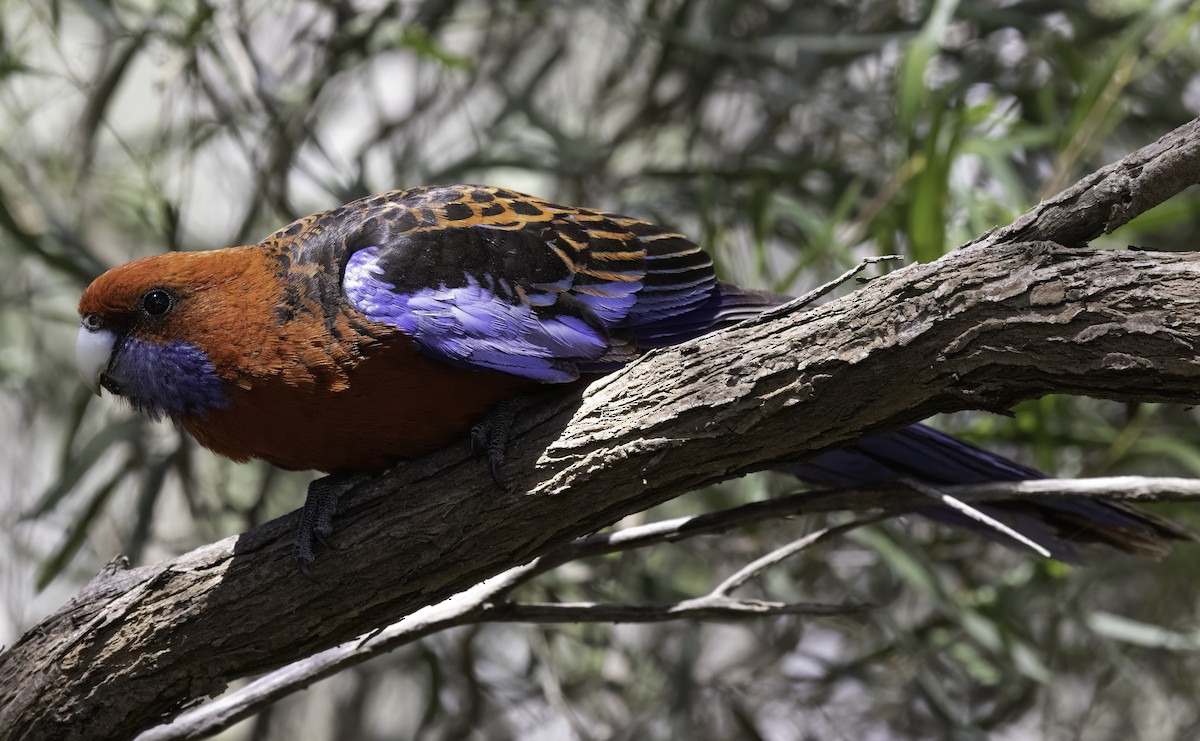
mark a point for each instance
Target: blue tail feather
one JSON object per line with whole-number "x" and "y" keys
{"x": 725, "y": 306}
{"x": 1066, "y": 527}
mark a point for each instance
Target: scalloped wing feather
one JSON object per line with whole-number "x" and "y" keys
{"x": 489, "y": 279}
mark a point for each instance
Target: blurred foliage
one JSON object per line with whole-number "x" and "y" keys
{"x": 791, "y": 139}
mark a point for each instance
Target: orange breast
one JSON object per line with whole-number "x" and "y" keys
{"x": 397, "y": 404}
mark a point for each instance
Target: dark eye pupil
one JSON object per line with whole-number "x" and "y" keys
{"x": 156, "y": 302}
{"x": 91, "y": 322}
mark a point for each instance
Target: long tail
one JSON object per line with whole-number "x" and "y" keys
{"x": 1068, "y": 528}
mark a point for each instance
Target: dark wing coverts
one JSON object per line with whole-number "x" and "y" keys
{"x": 487, "y": 278}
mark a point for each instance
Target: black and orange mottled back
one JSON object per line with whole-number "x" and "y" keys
{"x": 491, "y": 231}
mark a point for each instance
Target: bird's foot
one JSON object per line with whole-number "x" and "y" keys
{"x": 316, "y": 520}
{"x": 490, "y": 436}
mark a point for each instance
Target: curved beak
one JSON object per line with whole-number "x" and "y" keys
{"x": 93, "y": 353}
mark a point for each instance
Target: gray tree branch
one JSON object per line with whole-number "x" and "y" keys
{"x": 980, "y": 328}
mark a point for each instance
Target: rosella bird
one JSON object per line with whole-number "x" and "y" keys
{"x": 386, "y": 328}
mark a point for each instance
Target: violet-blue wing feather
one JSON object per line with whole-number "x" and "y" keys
{"x": 473, "y": 326}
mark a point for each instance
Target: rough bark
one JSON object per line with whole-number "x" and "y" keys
{"x": 981, "y": 328}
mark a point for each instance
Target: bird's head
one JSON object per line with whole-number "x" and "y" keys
{"x": 158, "y": 331}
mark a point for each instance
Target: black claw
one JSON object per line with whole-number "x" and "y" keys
{"x": 491, "y": 435}
{"x": 304, "y": 554}
{"x": 324, "y": 541}
{"x": 304, "y": 569}
{"x": 479, "y": 437}
{"x": 495, "y": 463}
{"x": 316, "y": 520}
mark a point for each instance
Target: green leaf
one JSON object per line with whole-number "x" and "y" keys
{"x": 912, "y": 94}
{"x": 1137, "y": 633}
{"x": 425, "y": 46}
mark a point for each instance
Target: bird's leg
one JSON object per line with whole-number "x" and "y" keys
{"x": 490, "y": 435}
{"x": 316, "y": 521}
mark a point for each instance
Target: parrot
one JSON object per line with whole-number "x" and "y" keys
{"x": 391, "y": 326}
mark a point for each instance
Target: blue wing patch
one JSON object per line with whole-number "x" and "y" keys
{"x": 474, "y": 326}
{"x": 493, "y": 280}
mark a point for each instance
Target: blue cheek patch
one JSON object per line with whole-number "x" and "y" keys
{"x": 175, "y": 379}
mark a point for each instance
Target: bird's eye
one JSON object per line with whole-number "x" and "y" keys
{"x": 157, "y": 302}
{"x": 91, "y": 322}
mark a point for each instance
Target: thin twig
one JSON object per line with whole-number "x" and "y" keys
{"x": 981, "y": 517}
{"x": 820, "y": 291}
{"x": 756, "y": 567}
{"x": 710, "y": 606}
{"x": 217, "y": 715}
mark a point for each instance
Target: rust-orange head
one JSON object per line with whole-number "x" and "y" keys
{"x": 163, "y": 331}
